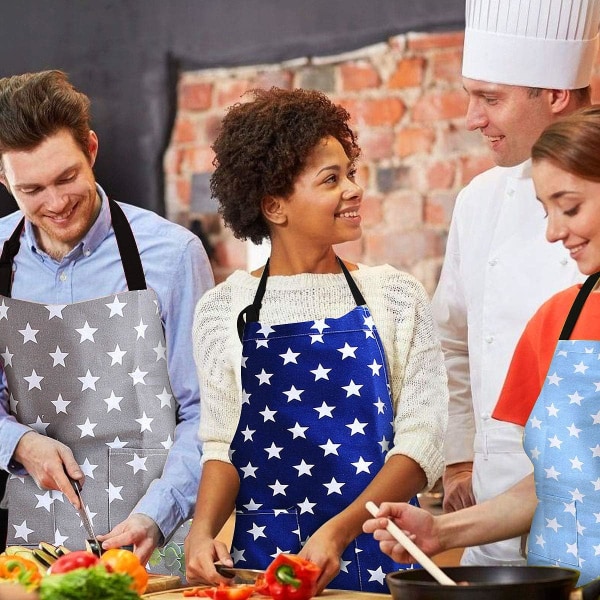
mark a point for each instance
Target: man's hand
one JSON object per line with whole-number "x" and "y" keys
{"x": 139, "y": 531}
{"x": 419, "y": 524}
{"x": 458, "y": 488}
{"x": 49, "y": 462}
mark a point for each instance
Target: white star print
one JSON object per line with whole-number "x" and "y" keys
{"x": 268, "y": 414}
{"x": 88, "y": 382}
{"x": 334, "y": 487}
{"x": 552, "y": 410}
{"x": 278, "y": 488}
{"x": 87, "y": 429}
{"x": 245, "y": 397}
{"x": 553, "y": 524}
{"x": 536, "y": 423}
{"x": 237, "y": 555}
{"x": 540, "y": 541}
{"x": 7, "y": 358}
{"x": 297, "y": 430}
{"x": 577, "y": 495}
{"x": 114, "y": 492}
{"x": 39, "y": 426}
{"x": 248, "y": 433}
{"x": 161, "y": 352}
{"x": 44, "y": 501}
{"x": 573, "y": 431}
{"x": 344, "y": 565}
{"x": 320, "y": 325}
{"x": 116, "y": 443}
{"x": 168, "y": 443}
{"x": 324, "y": 410}
{"x": 555, "y": 442}
{"x": 596, "y": 484}
{"x": 570, "y": 507}
{"x": 263, "y": 377}
{"x": 293, "y": 394}
{"x": 29, "y": 334}
{"x": 257, "y": 532}
{"x": 385, "y": 444}
{"x": 266, "y": 330}
{"x": 554, "y": 379}
{"x": 252, "y": 505}
{"x": 319, "y": 372}
{"x": 262, "y": 343}
{"x": 113, "y": 402}
{"x": 375, "y": 367}
{"x": 3, "y": 311}
{"x": 22, "y": 531}
{"x": 34, "y": 380}
{"x": 575, "y": 398}
{"x": 165, "y": 398}
{"x": 244, "y": 360}
{"x": 59, "y": 539}
{"x": 595, "y": 450}
{"x": 352, "y": 389}
{"x": 580, "y": 368}
{"x": 61, "y": 405}
{"x": 316, "y": 338}
{"x": 535, "y": 453}
{"x": 58, "y": 357}
{"x": 249, "y": 470}
{"x": 552, "y": 473}
{"x": 596, "y": 418}
{"x": 137, "y": 463}
{"x": 377, "y": 575}
{"x": 303, "y": 468}
{"x": 576, "y": 463}
{"x": 55, "y": 310}
{"x": 290, "y": 357}
{"x": 306, "y": 506}
{"x": 116, "y": 307}
{"x": 13, "y": 403}
{"x": 348, "y": 351}
{"x": 117, "y": 355}
{"x": 144, "y": 422}
{"x": 380, "y": 406}
{"x": 91, "y": 515}
{"x": 87, "y": 333}
{"x": 141, "y": 330}
{"x": 362, "y": 466}
{"x": 88, "y": 468}
{"x": 138, "y": 376}
{"x": 330, "y": 448}
{"x": 273, "y": 451}
{"x": 357, "y": 427}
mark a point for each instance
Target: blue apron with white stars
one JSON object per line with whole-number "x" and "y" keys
{"x": 315, "y": 426}
{"x": 562, "y": 439}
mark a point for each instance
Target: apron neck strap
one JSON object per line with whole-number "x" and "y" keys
{"x": 584, "y": 292}
{"x": 251, "y": 313}
{"x": 9, "y": 251}
{"x": 130, "y": 256}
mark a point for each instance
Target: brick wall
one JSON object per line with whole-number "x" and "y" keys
{"x": 407, "y": 105}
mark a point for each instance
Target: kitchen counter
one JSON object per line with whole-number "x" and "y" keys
{"x": 326, "y": 595}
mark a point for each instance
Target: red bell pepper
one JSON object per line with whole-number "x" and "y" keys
{"x": 80, "y": 559}
{"x": 222, "y": 592}
{"x": 290, "y": 577}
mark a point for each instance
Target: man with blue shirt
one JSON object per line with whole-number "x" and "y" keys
{"x": 96, "y": 307}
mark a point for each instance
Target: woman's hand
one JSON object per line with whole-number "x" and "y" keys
{"x": 201, "y": 552}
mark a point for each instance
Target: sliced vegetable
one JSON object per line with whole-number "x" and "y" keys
{"x": 20, "y": 570}
{"x": 223, "y": 591}
{"x": 80, "y": 559}
{"x": 291, "y": 577}
{"x": 124, "y": 561}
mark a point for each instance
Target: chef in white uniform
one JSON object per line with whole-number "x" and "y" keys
{"x": 525, "y": 64}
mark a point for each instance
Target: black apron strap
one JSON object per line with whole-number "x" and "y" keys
{"x": 251, "y": 313}
{"x": 130, "y": 256}
{"x": 9, "y": 251}
{"x": 575, "y": 311}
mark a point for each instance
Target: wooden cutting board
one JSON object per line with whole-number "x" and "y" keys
{"x": 159, "y": 583}
{"x": 327, "y": 594}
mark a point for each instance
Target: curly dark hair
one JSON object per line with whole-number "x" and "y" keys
{"x": 263, "y": 146}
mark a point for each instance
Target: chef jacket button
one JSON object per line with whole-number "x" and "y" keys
{"x": 63, "y": 276}
{"x": 493, "y": 262}
{"x": 485, "y": 415}
{"x": 564, "y": 260}
{"x": 489, "y": 339}
{"x": 510, "y": 192}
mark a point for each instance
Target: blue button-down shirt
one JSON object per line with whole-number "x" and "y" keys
{"x": 178, "y": 270}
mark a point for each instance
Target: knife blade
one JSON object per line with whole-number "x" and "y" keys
{"x": 85, "y": 519}
{"x": 239, "y": 575}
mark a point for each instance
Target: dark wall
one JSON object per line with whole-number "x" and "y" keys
{"x": 126, "y": 54}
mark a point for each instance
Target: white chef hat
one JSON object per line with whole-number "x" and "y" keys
{"x": 535, "y": 43}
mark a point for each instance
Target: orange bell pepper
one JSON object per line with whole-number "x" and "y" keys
{"x": 125, "y": 561}
{"x": 20, "y": 570}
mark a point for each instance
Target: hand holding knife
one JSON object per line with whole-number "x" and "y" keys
{"x": 92, "y": 541}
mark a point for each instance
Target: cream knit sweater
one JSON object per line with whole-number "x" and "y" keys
{"x": 400, "y": 309}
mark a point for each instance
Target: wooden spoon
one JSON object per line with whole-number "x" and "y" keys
{"x": 413, "y": 549}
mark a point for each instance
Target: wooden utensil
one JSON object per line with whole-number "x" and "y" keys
{"x": 412, "y": 548}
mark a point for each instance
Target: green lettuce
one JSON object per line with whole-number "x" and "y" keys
{"x": 94, "y": 583}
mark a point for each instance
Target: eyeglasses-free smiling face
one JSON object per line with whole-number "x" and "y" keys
{"x": 572, "y": 207}
{"x": 323, "y": 208}
{"x": 54, "y": 186}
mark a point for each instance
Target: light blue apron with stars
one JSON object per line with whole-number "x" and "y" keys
{"x": 562, "y": 439}
{"x": 315, "y": 426}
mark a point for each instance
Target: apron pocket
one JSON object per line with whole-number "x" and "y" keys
{"x": 553, "y": 536}
{"x": 260, "y": 535}
{"x": 130, "y": 473}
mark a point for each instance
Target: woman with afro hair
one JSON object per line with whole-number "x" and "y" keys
{"x": 322, "y": 382}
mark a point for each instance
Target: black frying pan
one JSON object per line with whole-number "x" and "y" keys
{"x": 493, "y": 583}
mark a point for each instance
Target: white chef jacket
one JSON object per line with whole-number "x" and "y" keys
{"x": 499, "y": 268}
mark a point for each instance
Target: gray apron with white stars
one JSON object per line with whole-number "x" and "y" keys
{"x": 92, "y": 375}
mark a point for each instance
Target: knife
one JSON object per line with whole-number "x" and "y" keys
{"x": 239, "y": 575}
{"x": 92, "y": 540}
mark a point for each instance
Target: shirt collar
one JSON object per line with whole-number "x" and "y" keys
{"x": 90, "y": 241}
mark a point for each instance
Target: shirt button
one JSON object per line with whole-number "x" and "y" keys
{"x": 493, "y": 262}
{"x": 63, "y": 276}
{"x": 489, "y": 339}
{"x": 485, "y": 415}
{"x": 87, "y": 252}
{"x": 510, "y": 192}
{"x": 564, "y": 261}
